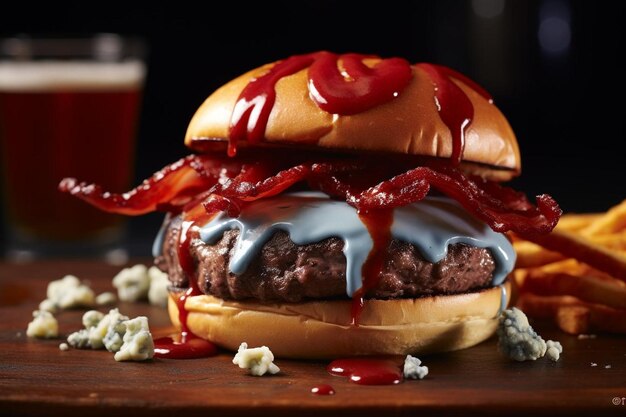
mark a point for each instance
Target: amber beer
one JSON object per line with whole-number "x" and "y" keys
{"x": 66, "y": 119}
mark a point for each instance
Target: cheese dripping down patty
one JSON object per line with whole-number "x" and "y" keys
{"x": 308, "y": 217}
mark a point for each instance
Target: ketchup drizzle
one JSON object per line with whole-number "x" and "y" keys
{"x": 186, "y": 345}
{"x": 367, "y": 371}
{"x": 378, "y": 223}
{"x": 353, "y": 90}
{"x": 455, "y": 108}
{"x": 254, "y": 105}
{"x": 358, "y": 87}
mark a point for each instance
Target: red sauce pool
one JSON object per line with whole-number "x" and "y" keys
{"x": 323, "y": 389}
{"x": 184, "y": 345}
{"x": 178, "y": 347}
{"x": 367, "y": 371}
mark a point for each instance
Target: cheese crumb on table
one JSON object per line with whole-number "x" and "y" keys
{"x": 95, "y": 329}
{"x": 43, "y": 326}
{"x": 133, "y": 283}
{"x": 159, "y": 282}
{"x": 116, "y": 333}
{"x": 412, "y": 368}
{"x": 79, "y": 339}
{"x": 139, "y": 282}
{"x": 48, "y": 305}
{"x": 554, "y": 350}
{"x": 92, "y": 317}
{"x": 115, "y": 328}
{"x": 138, "y": 344}
{"x": 258, "y": 361}
{"x": 67, "y": 292}
{"x": 106, "y": 298}
{"x": 519, "y": 341}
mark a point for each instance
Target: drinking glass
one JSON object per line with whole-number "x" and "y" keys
{"x": 69, "y": 107}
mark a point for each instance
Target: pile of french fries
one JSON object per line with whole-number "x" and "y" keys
{"x": 576, "y": 275}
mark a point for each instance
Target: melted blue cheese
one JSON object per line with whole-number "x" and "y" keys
{"x": 308, "y": 217}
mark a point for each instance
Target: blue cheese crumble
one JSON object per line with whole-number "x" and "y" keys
{"x": 258, "y": 361}
{"x": 116, "y": 333}
{"x": 519, "y": 341}
{"x": 138, "y": 344}
{"x": 412, "y": 368}
{"x": 43, "y": 326}
{"x": 159, "y": 282}
{"x": 106, "y": 298}
{"x": 67, "y": 292}
{"x": 554, "y": 350}
{"x": 132, "y": 283}
{"x": 139, "y": 283}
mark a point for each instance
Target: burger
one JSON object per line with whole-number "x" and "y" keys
{"x": 339, "y": 205}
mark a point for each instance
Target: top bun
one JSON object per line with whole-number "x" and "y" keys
{"x": 408, "y": 124}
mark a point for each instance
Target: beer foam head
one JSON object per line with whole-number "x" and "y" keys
{"x": 43, "y": 76}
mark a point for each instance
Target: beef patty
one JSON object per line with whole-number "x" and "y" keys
{"x": 284, "y": 271}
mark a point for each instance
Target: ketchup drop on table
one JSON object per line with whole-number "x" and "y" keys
{"x": 367, "y": 371}
{"x": 323, "y": 389}
{"x": 183, "y": 347}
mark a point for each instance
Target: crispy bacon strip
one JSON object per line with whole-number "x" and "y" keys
{"x": 230, "y": 196}
{"x": 225, "y": 184}
{"x": 168, "y": 188}
{"x": 502, "y": 208}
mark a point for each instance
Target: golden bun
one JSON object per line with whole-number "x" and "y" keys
{"x": 322, "y": 329}
{"x": 409, "y": 124}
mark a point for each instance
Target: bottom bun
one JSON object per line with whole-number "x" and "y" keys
{"x": 322, "y": 329}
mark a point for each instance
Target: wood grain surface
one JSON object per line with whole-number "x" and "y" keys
{"x": 36, "y": 378}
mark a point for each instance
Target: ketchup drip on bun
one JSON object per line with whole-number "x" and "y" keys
{"x": 454, "y": 107}
{"x": 352, "y": 89}
{"x": 400, "y": 166}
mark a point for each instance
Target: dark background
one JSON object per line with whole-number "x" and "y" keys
{"x": 552, "y": 67}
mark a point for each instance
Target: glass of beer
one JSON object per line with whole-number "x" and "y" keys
{"x": 68, "y": 108}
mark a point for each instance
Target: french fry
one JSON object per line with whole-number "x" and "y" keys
{"x": 567, "y": 265}
{"x": 574, "y": 316}
{"x": 532, "y": 255}
{"x": 613, "y": 221}
{"x": 576, "y": 275}
{"x": 573, "y": 222}
{"x": 544, "y": 307}
{"x": 574, "y": 319}
{"x": 591, "y": 318}
{"x": 616, "y": 241}
{"x": 575, "y": 246}
{"x": 588, "y": 270}
{"x": 584, "y": 287}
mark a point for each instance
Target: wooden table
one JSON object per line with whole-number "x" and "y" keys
{"x": 37, "y": 378}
